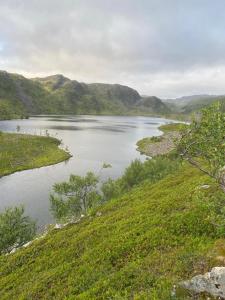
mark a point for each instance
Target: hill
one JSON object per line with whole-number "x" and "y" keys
{"x": 57, "y": 94}
{"x": 182, "y": 101}
{"x": 20, "y": 96}
{"x": 198, "y": 104}
{"x": 154, "y": 105}
{"x": 189, "y": 104}
{"x": 134, "y": 247}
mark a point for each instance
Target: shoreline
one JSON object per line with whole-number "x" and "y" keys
{"x": 162, "y": 144}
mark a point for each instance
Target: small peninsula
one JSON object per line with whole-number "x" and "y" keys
{"x": 22, "y": 151}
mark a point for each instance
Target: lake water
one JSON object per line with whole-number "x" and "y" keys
{"x": 92, "y": 140}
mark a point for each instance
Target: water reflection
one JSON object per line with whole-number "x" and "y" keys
{"x": 92, "y": 141}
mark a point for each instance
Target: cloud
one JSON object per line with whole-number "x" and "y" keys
{"x": 167, "y": 48}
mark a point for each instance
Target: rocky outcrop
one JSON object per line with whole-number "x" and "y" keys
{"x": 212, "y": 283}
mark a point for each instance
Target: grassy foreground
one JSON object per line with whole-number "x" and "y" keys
{"x": 20, "y": 152}
{"x": 135, "y": 247}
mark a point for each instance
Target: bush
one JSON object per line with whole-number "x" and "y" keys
{"x": 15, "y": 229}
{"x": 151, "y": 170}
{"x": 76, "y": 197}
{"x": 110, "y": 189}
{"x": 203, "y": 143}
{"x": 137, "y": 172}
{"x": 80, "y": 194}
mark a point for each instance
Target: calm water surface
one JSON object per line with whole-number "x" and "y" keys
{"x": 92, "y": 140}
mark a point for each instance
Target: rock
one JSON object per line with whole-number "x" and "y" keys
{"x": 212, "y": 283}
{"x": 59, "y": 226}
{"x": 13, "y": 250}
{"x": 27, "y": 244}
{"x": 205, "y": 186}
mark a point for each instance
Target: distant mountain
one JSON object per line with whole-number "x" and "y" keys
{"x": 182, "y": 101}
{"x": 196, "y": 105}
{"x": 189, "y": 104}
{"x": 153, "y": 104}
{"x": 57, "y": 94}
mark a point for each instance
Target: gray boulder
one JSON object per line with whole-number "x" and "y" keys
{"x": 212, "y": 283}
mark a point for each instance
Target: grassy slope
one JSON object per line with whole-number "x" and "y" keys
{"x": 19, "y": 152}
{"x": 139, "y": 247}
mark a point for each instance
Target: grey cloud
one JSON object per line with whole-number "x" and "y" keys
{"x": 162, "y": 47}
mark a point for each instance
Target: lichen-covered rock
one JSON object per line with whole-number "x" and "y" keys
{"x": 212, "y": 283}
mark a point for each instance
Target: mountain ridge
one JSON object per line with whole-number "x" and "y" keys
{"x": 20, "y": 96}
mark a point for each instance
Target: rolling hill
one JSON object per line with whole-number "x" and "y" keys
{"x": 189, "y": 104}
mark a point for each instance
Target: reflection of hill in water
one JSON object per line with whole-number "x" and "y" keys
{"x": 73, "y": 120}
{"x": 70, "y": 128}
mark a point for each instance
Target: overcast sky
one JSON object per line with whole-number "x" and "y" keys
{"x": 166, "y": 48}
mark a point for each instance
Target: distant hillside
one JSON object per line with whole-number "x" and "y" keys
{"x": 57, "y": 94}
{"x": 20, "y": 96}
{"x": 154, "y": 104}
{"x": 189, "y": 104}
{"x": 182, "y": 101}
{"x": 198, "y": 104}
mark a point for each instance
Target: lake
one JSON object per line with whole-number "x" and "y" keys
{"x": 92, "y": 140}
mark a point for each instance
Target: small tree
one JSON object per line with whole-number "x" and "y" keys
{"x": 203, "y": 143}
{"x": 75, "y": 197}
{"x": 15, "y": 229}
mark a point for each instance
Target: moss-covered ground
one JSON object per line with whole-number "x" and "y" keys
{"x": 134, "y": 247}
{"x": 20, "y": 152}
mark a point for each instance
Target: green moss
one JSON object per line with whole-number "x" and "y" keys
{"x": 19, "y": 152}
{"x": 136, "y": 247}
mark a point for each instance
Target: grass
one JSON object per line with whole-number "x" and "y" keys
{"x": 172, "y": 127}
{"x": 136, "y": 247}
{"x": 20, "y": 152}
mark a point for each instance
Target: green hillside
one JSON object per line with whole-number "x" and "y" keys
{"x": 153, "y": 105}
{"x": 134, "y": 247}
{"x": 197, "y": 105}
{"x": 20, "y": 97}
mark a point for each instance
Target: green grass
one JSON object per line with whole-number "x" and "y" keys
{"x": 172, "y": 127}
{"x": 136, "y": 247}
{"x": 19, "y": 152}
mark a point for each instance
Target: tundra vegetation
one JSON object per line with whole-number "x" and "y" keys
{"x": 160, "y": 223}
